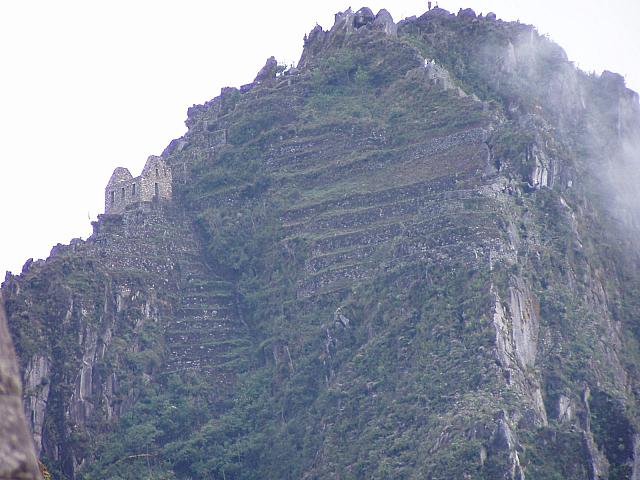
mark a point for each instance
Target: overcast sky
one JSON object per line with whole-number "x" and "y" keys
{"x": 87, "y": 86}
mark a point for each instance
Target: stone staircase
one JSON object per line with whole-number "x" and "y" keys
{"x": 205, "y": 333}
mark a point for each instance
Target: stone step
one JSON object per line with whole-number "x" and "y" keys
{"x": 340, "y": 239}
{"x": 213, "y": 326}
{"x": 197, "y": 310}
{"x": 204, "y": 316}
{"x": 348, "y": 255}
{"x": 471, "y": 243}
{"x": 188, "y": 340}
{"x": 201, "y": 283}
{"x": 445, "y": 188}
{"x": 424, "y": 235}
{"x": 320, "y": 152}
{"x": 364, "y": 174}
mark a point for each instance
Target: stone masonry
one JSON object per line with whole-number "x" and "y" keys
{"x": 123, "y": 190}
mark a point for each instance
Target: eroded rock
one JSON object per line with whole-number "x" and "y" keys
{"x": 36, "y": 393}
{"x": 384, "y": 21}
{"x": 17, "y": 458}
{"x": 467, "y": 13}
{"x": 363, "y": 17}
{"x": 268, "y": 71}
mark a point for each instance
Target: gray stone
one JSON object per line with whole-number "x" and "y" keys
{"x": 566, "y": 409}
{"x": 338, "y": 17}
{"x": 437, "y": 12}
{"x": 27, "y": 264}
{"x": 407, "y": 21}
{"x": 635, "y": 468}
{"x": 36, "y": 393}
{"x": 246, "y": 87}
{"x": 363, "y": 17}
{"x": 467, "y": 13}
{"x": 268, "y": 71}
{"x": 123, "y": 190}
{"x": 612, "y": 81}
{"x": 17, "y": 457}
{"x": 384, "y": 21}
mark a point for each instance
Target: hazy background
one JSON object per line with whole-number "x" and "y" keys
{"x": 88, "y": 86}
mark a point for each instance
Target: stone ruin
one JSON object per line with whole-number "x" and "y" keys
{"x": 124, "y": 191}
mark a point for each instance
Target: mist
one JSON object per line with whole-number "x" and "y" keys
{"x": 597, "y": 116}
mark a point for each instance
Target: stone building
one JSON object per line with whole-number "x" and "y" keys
{"x": 153, "y": 184}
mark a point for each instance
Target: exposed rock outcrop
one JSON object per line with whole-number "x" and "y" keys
{"x": 17, "y": 458}
{"x": 268, "y": 71}
{"x": 37, "y": 378}
{"x": 363, "y": 17}
{"x": 346, "y": 23}
{"x": 467, "y": 13}
{"x": 134, "y": 268}
{"x": 384, "y": 21}
{"x": 375, "y": 266}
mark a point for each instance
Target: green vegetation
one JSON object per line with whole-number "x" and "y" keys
{"x": 358, "y": 228}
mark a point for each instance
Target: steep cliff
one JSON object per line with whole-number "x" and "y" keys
{"x": 99, "y": 320}
{"x": 17, "y": 458}
{"x": 412, "y": 256}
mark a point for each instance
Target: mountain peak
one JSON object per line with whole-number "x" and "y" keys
{"x": 415, "y": 255}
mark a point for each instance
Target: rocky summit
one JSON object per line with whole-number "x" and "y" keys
{"x": 414, "y": 255}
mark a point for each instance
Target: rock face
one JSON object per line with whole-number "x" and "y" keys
{"x": 268, "y": 71}
{"x": 384, "y": 21}
{"x": 407, "y": 258}
{"x": 17, "y": 458}
{"x": 346, "y": 24}
{"x": 130, "y": 303}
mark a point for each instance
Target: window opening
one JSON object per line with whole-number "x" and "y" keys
{"x": 123, "y": 193}
{"x": 113, "y": 197}
{"x": 133, "y": 189}
{"x": 157, "y": 189}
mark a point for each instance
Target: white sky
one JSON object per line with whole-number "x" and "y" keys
{"x": 86, "y": 86}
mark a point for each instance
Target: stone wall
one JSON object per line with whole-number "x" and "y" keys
{"x": 123, "y": 190}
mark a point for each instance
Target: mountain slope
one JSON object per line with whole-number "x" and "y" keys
{"x": 16, "y": 448}
{"x": 412, "y": 256}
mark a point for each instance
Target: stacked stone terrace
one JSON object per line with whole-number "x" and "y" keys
{"x": 142, "y": 267}
{"x": 361, "y": 201}
{"x": 123, "y": 190}
{"x": 425, "y": 204}
{"x": 429, "y": 203}
{"x": 202, "y": 332}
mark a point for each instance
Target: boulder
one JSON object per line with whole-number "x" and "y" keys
{"x": 268, "y": 71}
{"x": 436, "y": 12}
{"x": 467, "y": 13}
{"x": 384, "y": 21}
{"x": 363, "y": 17}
